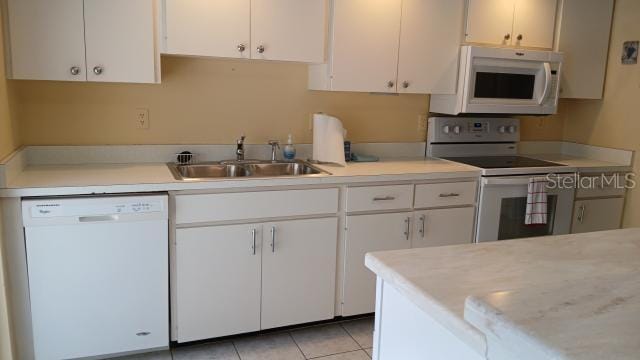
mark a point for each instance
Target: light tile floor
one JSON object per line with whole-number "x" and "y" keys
{"x": 347, "y": 340}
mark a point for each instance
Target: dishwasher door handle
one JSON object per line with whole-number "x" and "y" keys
{"x": 100, "y": 218}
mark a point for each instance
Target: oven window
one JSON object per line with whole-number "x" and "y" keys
{"x": 504, "y": 86}
{"x": 512, "y": 214}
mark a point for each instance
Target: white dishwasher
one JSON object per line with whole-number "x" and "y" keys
{"x": 98, "y": 275}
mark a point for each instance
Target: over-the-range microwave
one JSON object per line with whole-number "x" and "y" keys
{"x": 503, "y": 81}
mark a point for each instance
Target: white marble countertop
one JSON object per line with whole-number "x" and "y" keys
{"x": 53, "y": 180}
{"x": 572, "y": 296}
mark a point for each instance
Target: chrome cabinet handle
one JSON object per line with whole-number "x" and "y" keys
{"x": 390, "y": 84}
{"x": 273, "y": 239}
{"x": 75, "y": 70}
{"x": 407, "y": 231}
{"x": 384, "y": 198}
{"x": 423, "y": 220}
{"x": 581, "y": 213}
{"x": 253, "y": 235}
{"x": 507, "y": 37}
{"x": 260, "y": 49}
{"x": 242, "y": 48}
{"x": 449, "y": 195}
{"x": 520, "y": 37}
{"x": 98, "y": 70}
{"x": 406, "y": 84}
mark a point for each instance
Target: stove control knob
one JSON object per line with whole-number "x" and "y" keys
{"x": 457, "y": 129}
{"x": 446, "y": 129}
{"x": 511, "y": 129}
{"x": 502, "y": 129}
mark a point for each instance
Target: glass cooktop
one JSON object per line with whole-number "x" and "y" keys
{"x": 503, "y": 162}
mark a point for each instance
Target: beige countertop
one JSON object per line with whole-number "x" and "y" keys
{"x": 575, "y": 296}
{"x": 52, "y": 180}
{"x": 582, "y": 164}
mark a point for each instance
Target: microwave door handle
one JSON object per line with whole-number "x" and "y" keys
{"x": 547, "y": 82}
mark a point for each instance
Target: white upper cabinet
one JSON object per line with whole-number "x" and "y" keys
{"x": 406, "y": 46}
{"x": 490, "y": 21}
{"x": 288, "y": 30}
{"x": 120, "y": 40}
{"x": 218, "y": 28}
{"x": 534, "y": 23}
{"x": 365, "y": 45}
{"x": 46, "y": 40}
{"x": 429, "y": 56}
{"x": 584, "y": 29}
{"x": 76, "y": 40}
{"x": 527, "y": 23}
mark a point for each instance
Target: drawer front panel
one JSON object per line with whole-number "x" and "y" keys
{"x": 375, "y": 198}
{"x": 601, "y": 186}
{"x": 255, "y": 205}
{"x": 446, "y": 194}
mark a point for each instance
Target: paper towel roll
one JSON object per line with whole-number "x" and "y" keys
{"x": 328, "y": 139}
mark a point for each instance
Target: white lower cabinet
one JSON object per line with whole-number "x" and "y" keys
{"x": 234, "y": 279}
{"x": 298, "y": 271}
{"x": 218, "y": 281}
{"x": 367, "y": 233}
{"x": 597, "y": 215}
{"x": 442, "y": 227}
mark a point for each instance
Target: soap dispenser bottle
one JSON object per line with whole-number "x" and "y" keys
{"x": 289, "y": 152}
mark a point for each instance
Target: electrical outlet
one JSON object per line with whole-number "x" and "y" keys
{"x": 142, "y": 118}
{"x": 423, "y": 119}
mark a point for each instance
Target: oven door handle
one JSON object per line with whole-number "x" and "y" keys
{"x": 547, "y": 83}
{"x": 516, "y": 181}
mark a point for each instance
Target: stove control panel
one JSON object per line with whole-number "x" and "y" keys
{"x": 473, "y": 130}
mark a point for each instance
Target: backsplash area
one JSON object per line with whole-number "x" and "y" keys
{"x": 209, "y": 101}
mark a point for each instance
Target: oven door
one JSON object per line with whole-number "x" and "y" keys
{"x": 503, "y": 202}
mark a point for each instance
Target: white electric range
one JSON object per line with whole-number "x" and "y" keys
{"x": 491, "y": 144}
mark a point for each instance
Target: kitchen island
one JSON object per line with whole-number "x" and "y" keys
{"x": 561, "y": 297}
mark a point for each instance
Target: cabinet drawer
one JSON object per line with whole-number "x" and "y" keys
{"x": 447, "y": 194}
{"x": 255, "y": 205}
{"x": 372, "y": 198}
{"x": 601, "y": 186}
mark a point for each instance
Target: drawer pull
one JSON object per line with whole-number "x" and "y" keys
{"x": 384, "y": 198}
{"x": 449, "y": 195}
{"x": 407, "y": 231}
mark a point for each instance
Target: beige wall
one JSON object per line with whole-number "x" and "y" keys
{"x": 613, "y": 121}
{"x": 9, "y": 141}
{"x": 208, "y": 101}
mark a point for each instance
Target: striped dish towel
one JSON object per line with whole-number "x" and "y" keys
{"x": 536, "y": 202}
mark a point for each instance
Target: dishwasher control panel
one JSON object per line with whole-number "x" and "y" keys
{"x": 78, "y": 209}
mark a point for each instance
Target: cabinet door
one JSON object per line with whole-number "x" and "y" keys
{"x": 597, "y": 215}
{"x": 534, "y": 23}
{"x": 218, "y": 281}
{"x": 444, "y": 227}
{"x": 585, "y": 28}
{"x": 367, "y": 233}
{"x": 288, "y": 30}
{"x": 120, "y": 39}
{"x": 430, "y": 46}
{"x": 366, "y": 40}
{"x": 298, "y": 271}
{"x": 490, "y": 21}
{"x": 208, "y": 28}
{"x": 46, "y": 40}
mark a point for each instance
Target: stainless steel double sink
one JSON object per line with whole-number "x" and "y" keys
{"x": 243, "y": 169}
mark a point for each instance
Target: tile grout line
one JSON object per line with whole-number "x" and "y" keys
{"x": 351, "y": 336}
{"x": 340, "y": 353}
{"x": 233, "y": 343}
{"x": 298, "y": 346}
